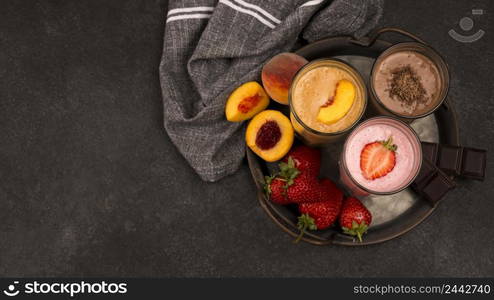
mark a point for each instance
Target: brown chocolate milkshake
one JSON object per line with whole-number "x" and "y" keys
{"x": 407, "y": 83}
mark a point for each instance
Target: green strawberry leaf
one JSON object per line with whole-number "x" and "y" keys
{"x": 357, "y": 230}
{"x": 288, "y": 171}
{"x": 304, "y": 222}
{"x": 267, "y": 183}
{"x": 388, "y": 144}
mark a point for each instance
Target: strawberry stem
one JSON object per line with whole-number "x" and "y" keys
{"x": 359, "y": 236}
{"x": 304, "y": 222}
{"x": 356, "y": 230}
{"x": 299, "y": 237}
{"x": 388, "y": 144}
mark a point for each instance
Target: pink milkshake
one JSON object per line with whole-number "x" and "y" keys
{"x": 381, "y": 156}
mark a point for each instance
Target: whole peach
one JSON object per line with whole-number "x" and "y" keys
{"x": 277, "y": 75}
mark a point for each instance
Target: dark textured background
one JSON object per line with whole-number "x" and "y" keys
{"x": 90, "y": 184}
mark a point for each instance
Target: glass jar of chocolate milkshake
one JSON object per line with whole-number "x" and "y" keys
{"x": 408, "y": 81}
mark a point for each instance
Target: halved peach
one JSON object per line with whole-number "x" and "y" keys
{"x": 245, "y": 102}
{"x": 270, "y": 135}
{"x": 339, "y": 105}
{"x": 277, "y": 75}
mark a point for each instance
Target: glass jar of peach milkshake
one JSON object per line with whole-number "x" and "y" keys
{"x": 327, "y": 98}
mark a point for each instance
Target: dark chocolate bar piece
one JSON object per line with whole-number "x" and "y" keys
{"x": 437, "y": 187}
{"x": 429, "y": 151}
{"x": 432, "y": 183}
{"x": 473, "y": 163}
{"x": 455, "y": 160}
{"x": 426, "y": 172}
{"x": 449, "y": 159}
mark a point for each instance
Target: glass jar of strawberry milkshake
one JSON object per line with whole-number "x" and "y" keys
{"x": 381, "y": 156}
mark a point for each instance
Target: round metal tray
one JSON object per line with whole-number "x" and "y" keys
{"x": 392, "y": 215}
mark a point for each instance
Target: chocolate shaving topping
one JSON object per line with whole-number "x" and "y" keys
{"x": 406, "y": 86}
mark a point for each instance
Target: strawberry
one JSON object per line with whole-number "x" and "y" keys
{"x": 306, "y": 159}
{"x": 300, "y": 187}
{"x": 321, "y": 214}
{"x": 355, "y": 218}
{"x": 305, "y": 188}
{"x": 330, "y": 192}
{"x": 317, "y": 216}
{"x": 275, "y": 189}
{"x": 377, "y": 159}
{"x": 324, "y": 213}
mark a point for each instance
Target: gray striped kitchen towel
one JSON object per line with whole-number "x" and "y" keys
{"x": 211, "y": 47}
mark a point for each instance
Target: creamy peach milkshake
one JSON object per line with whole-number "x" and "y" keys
{"x": 327, "y": 98}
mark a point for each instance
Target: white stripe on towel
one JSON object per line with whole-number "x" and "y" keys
{"x": 190, "y": 16}
{"x": 259, "y": 9}
{"x": 312, "y": 2}
{"x": 249, "y": 12}
{"x": 190, "y": 9}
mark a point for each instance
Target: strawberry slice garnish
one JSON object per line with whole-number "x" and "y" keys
{"x": 378, "y": 158}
